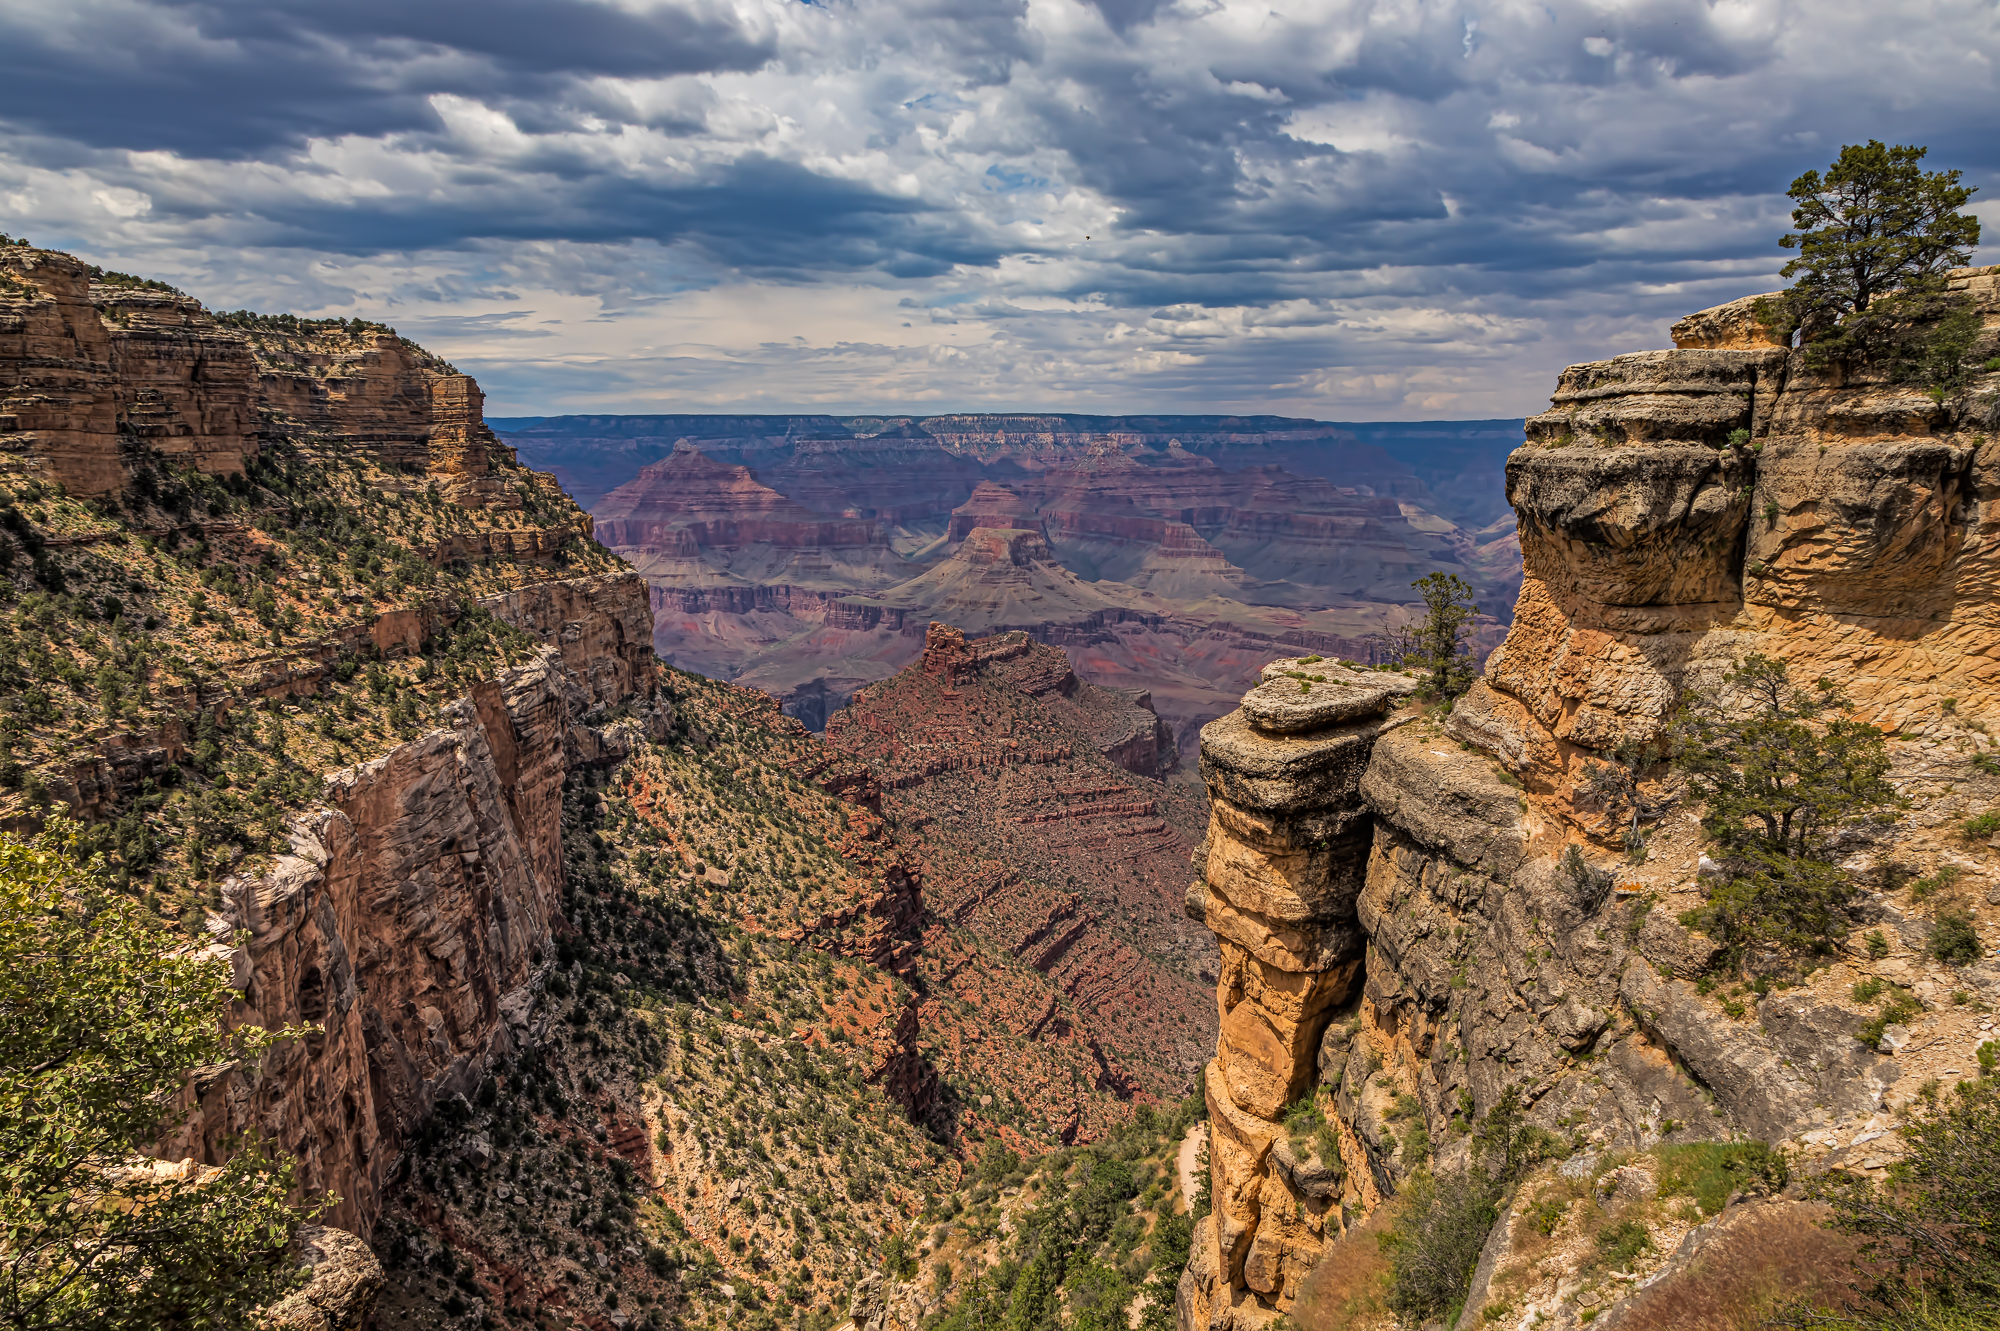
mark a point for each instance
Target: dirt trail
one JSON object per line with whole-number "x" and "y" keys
{"x": 1190, "y": 1151}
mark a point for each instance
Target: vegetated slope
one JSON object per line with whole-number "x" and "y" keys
{"x": 761, "y": 1068}
{"x": 804, "y": 555}
{"x": 287, "y": 544}
{"x": 1034, "y": 802}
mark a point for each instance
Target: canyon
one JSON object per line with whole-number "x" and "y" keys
{"x": 1408, "y": 933}
{"x": 634, "y": 1000}
{"x": 806, "y": 555}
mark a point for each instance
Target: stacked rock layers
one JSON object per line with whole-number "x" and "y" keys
{"x": 1280, "y": 873}
{"x": 98, "y": 373}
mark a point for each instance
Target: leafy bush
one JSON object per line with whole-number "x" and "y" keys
{"x": 1710, "y": 1171}
{"x": 1954, "y": 941}
{"x": 1934, "y": 1226}
{"x": 1982, "y": 826}
{"x": 1621, "y": 1241}
{"x": 101, "y": 1018}
{"x": 1585, "y": 885}
{"x": 1440, "y": 1227}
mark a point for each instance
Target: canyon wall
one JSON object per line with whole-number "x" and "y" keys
{"x": 1424, "y": 946}
{"x": 414, "y": 917}
{"x": 98, "y": 371}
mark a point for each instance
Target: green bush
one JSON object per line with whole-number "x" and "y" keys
{"x": 1933, "y": 1229}
{"x": 1954, "y": 939}
{"x": 1710, "y": 1171}
{"x": 1621, "y": 1241}
{"x": 1440, "y": 1227}
{"x": 1781, "y": 772}
{"x": 1982, "y": 826}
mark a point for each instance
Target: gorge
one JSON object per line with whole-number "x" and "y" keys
{"x": 639, "y": 1003}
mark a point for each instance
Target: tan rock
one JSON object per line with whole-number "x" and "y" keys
{"x": 1733, "y": 326}
{"x": 344, "y": 1280}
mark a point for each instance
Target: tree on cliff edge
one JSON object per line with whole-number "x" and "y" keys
{"x": 1436, "y": 644}
{"x": 1875, "y": 236}
{"x": 1781, "y": 772}
{"x": 102, "y": 1017}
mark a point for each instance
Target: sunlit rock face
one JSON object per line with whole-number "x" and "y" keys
{"x": 1403, "y": 938}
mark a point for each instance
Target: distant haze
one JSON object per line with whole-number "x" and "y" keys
{"x": 1167, "y": 554}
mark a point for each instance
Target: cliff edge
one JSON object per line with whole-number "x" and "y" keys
{"x": 1404, "y": 940}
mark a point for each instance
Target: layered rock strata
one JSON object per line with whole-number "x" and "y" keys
{"x": 1279, "y": 877}
{"x": 1677, "y": 510}
{"x": 413, "y": 919}
{"x": 99, "y": 372}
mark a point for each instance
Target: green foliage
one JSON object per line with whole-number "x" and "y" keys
{"x": 1436, "y": 645}
{"x": 1710, "y": 1171}
{"x": 1934, "y": 1226}
{"x": 1507, "y": 1144}
{"x": 1954, "y": 938}
{"x": 1874, "y": 234}
{"x": 1780, "y": 773}
{"x": 1441, "y": 1224}
{"x": 1621, "y": 1241}
{"x": 101, "y": 1018}
{"x": 1981, "y": 826}
{"x": 1442, "y": 1218}
{"x": 109, "y": 278}
{"x": 1902, "y": 1005}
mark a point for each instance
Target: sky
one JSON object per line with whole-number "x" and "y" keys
{"x": 1396, "y": 210}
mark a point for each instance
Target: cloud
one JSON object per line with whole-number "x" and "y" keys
{"x": 1332, "y": 207}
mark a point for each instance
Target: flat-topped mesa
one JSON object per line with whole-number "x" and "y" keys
{"x": 1278, "y": 878}
{"x": 99, "y": 371}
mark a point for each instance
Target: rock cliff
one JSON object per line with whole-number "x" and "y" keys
{"x": 1403, "y": 938}
{"x": 417, "y": 908}
{"x": 101, "y": 370}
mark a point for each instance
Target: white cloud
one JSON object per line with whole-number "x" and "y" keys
{"x": 1333, "y": 207}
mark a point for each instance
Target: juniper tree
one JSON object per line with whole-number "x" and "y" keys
{"x": 1436, "y": 644}
{"x": 1780, "y": 772}
{"x": 1875, "y": 236}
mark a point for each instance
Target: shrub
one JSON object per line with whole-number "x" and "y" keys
{"x": 1621, "y": 1241}
{"x": 1440, "y": 1227}
{"x": 1954, "y": 940}
{"x": 1585, "y": 885}
{"x": 1934, "y": 1228}
{"x": 1710, "y": 1171}
{"x": 1982, "y": 826}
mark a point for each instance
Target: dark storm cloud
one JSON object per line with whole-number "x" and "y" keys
{"x": 236, "y": 77}
{"x": 1170, "y": 192}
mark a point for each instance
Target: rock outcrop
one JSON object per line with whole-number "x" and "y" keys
{"x": 1280, "y": 874}
{"x": 100, "y": 372}
{"x": 414, "y": 917}
{"x": 1677, "y": 510}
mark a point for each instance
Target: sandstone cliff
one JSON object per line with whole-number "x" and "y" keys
{"x": 416, "y": 910}
{"x": 98, "y": 371}
{"x": 1677, "y": 510}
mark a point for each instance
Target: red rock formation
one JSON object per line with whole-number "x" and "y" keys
{"x": 992, "y": 505}
{"x": 88, "y": 369}
{"x": 689, "y": 496}
{"x": 997, "y": 763}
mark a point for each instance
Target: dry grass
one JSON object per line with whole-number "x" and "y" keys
{"x": 1770, "y": 1257}
{"x": 1345, "y": 1292}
